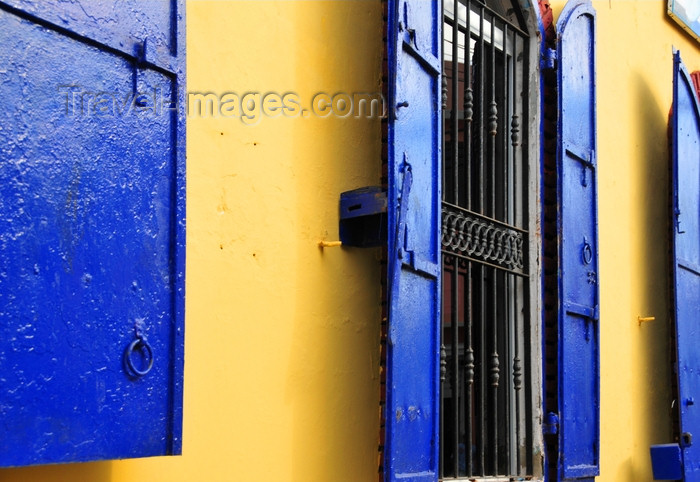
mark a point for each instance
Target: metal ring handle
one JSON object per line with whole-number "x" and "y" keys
{"x": 140, "y": 344}
{"x": 587, "y": 253}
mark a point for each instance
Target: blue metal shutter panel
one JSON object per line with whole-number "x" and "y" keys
{"x": 414, "y": 146}
{"x": 685, "y": 162}
{"x": 578, "y": 351}
{"x": 91, "y": 230}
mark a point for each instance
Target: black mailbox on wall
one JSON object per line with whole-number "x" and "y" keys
{"x": 363, "y": 217}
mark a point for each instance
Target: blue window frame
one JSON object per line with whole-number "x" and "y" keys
{"x": 415, "y": 192}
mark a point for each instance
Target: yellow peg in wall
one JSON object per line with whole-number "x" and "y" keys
{"x": 329, "y": 244}
{"x": 642, "y": 319}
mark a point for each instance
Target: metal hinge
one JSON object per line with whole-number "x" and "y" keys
{"x": 406, "y": 254}
{"x": 551, "y": 424}
{"x": 548, "y": 61}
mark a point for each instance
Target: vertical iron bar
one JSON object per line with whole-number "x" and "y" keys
{"x": 527, "y": 321}
{"x": 455, "y": 367}
{"x": 444, "y": 99}
{"x": 480, "y": 176}
{"x": 504, "y": 279}
{"x": 521, "y": 326}
{"x": 468, "y": 107}
{"x": 517, "y": 155}
{"x": 444, "y": 131}
{"x": 494, "y": 362}
{"x": 468, "y": 313}
{"x": 455, "y": 101}
{"x": 494, "y": 373}
{"x": 469, "y": 365}
{"x": 493, "y": 122}
{"x": 443, "y": 375}
{"x": 517, "y": 367}
{"x": 523, "y": 152}
{"x": 516, "y": 376}
{"x": 455, "y": 273}
{"x": 480, "y": 272}
{"x": 443, "y": 353}
{"x": 504, "y": 127}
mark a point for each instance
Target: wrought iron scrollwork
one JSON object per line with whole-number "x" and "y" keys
{"x": 478, "y": 238}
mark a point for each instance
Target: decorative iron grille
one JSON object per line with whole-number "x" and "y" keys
{"x": 486, "y": 400}
{"x": 477, "y": 238}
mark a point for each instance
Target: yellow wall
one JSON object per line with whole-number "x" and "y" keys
{"x": 282, "y": 338}
{"x": 635, "y": 40}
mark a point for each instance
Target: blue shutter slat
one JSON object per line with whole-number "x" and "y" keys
{"x": 685, "y": 128}
{"x": 91, "y": 231}
{"x": 578, "y": 350}
{"x": 414, "y": 140}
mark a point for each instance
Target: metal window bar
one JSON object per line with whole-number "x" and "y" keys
{"x": 485, "y": 426}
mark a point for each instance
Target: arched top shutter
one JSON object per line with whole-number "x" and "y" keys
{"x": 578, "y": 344}
{"x": 685, "y": 204}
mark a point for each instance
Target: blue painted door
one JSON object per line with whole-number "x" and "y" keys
{"x": 685, "y": 128}
{"x": 91, "y": 230}
{"x": 414, "y": 143}
{"x": 578, "y": 357}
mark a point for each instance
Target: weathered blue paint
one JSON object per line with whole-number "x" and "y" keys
{"x": 92, "y": 234}
{"x": 685, "y": 172}
{"x": 414, "y": 153}
{"x": 578, "y": 355}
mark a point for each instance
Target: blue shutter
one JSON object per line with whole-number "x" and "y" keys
{"x": 578, "y": 356}
{"x": 91, "y": 230}
{"x": 685, "y": 128}
{"x": 414, "y": 147}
